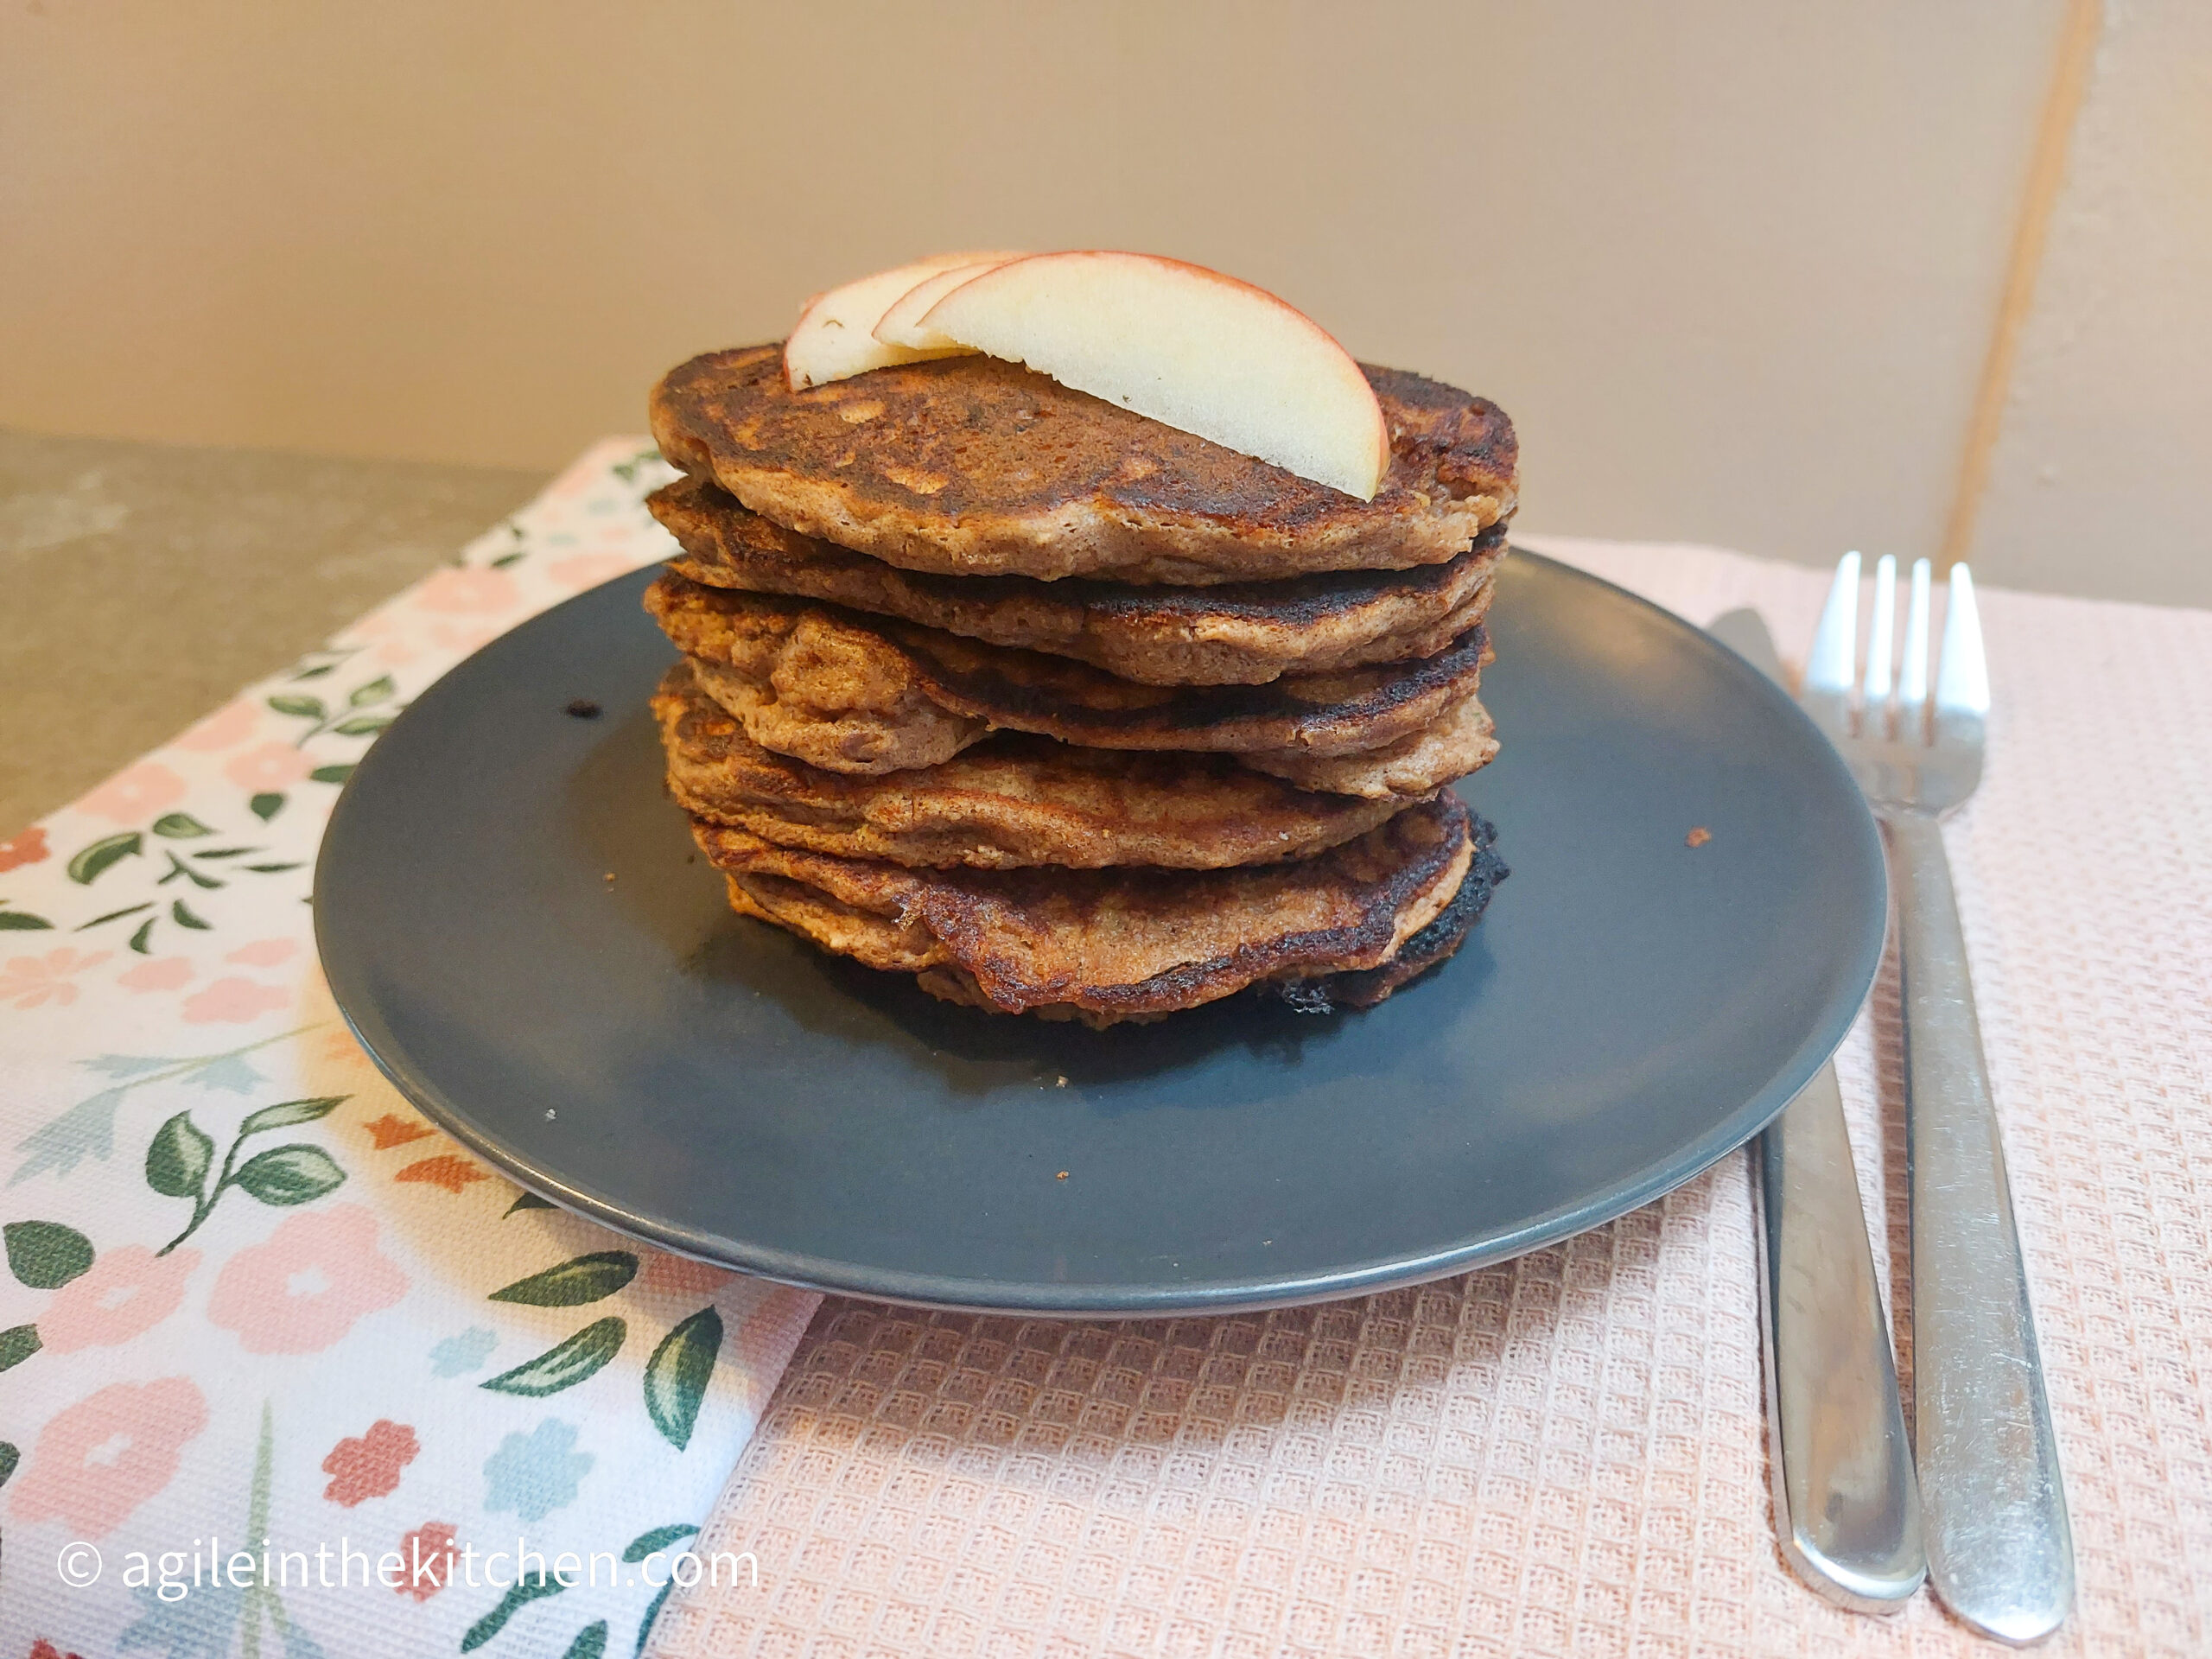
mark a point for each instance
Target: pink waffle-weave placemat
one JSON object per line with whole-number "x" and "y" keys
{"x": 1566, "y": 1454}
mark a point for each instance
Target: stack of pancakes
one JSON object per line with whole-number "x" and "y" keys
{"x": 1063, "y": 710}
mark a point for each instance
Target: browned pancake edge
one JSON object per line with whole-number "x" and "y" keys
{"x": 1244, "y": 634}
{"x": 1016, "y": 800}
{"x": 835, "y": 662}
{"x": 1115, "y": 944}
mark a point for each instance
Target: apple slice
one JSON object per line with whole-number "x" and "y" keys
{"x": 834, "y": 336}
{"x": 900, "y": 324}
{"x": 1186, "y": 346}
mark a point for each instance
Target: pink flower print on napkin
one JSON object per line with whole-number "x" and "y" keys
{"x": 388, "y": 646}
{"x": 303, "y": 1289}
{"x": 264, "y": 953}
{"x": 427, "y": 1559}
{"x": 135, "y": 793}
{"x": 369, "y": 1467}
{"x": 233, "y": 1002}
{"x": 462, "y": 638}
{"x": 28, "y": 848}
{"x": 28, "y": 981}
{"x": 160, "y": 974}
{"x": 105, "y": 1456}
{"x": 268, "y": 766}
{"x": 456, "y": 591}
{"x": 227, "y": 727}
{"x": 126, "y": 1292}
{"x": 588, "y": 569}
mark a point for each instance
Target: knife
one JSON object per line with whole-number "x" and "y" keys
{"x": 1846, "y": 1506}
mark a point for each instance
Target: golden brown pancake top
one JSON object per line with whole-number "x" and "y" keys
{"x": 968, "y": 465}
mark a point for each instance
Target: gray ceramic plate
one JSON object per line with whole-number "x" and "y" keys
{"x": 1630, "y": 1010}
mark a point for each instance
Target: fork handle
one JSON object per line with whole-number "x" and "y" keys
{"x": 2000, "y": 1553}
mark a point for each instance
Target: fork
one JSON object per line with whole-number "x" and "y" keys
{"x": 2000, "y": 1553}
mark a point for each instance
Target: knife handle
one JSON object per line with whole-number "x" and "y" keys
{"x": 1846, "y": 1509}
{"x": 2001, "y": 1552}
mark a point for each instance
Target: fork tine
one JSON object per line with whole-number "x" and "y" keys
{"x": 1962, "y": 683}
{"x": 1912, "y": 676}
{"x": 1881, "y": 634}
{"x": 1833, "y": 665}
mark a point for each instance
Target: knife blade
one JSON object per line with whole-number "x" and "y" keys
{"x": 1846, "y": 1505}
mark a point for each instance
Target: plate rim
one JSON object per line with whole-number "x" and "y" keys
{"x": 1161, "y": 1299}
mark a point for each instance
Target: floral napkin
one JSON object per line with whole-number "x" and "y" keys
{"x": 283, "y": 1370}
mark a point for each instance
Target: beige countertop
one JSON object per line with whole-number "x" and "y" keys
{"x": 145, "y": 583}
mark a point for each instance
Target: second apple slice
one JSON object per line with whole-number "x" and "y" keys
{"x": 900, "y": 326}
{"x": 1188, "y": 347}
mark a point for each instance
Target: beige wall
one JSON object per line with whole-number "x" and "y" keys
{"x": 1731, "y": 266}
{"x": 2103, "y": 478}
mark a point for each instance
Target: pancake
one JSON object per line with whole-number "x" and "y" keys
{"x": 1108, "y": 945}
{"x": 1364, "y": 989}
{"x": 1462, "y": 740}
{"x": 1241, "y": 633}
{"x": 797, "y": 663}
{"x": 968, "y": 466}
{"x": 1013, "y": 801}
{"x": 893, "y": 727}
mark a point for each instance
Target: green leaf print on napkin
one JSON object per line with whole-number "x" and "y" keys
{"x": 8, "y": 1458}
{"x": 177, "y": 1159}
{"x": 581, "y": 1280}
{"x": 180, "y": 1153}
{"x": 88, "y": 1130}
{"x": 45, "y": 1255}
{"x": 290, "y": 1175}
{"x": 210, "y": 869}
{"x": 648, "y": 1543}
{"x": 676, "y": 1375}
{"x": 582, "y": 1356}
{"x": 358, "y": 716}
{"x": 86, "y": 868}
{"x": 520, "y": 1594}
{"x": 17, "y": 1343}
{"x": 179, "y": 826}
{"x": 590, "y": 1643}
{"x": 21, "y": 921}
{"x": 286, "y": 1113}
